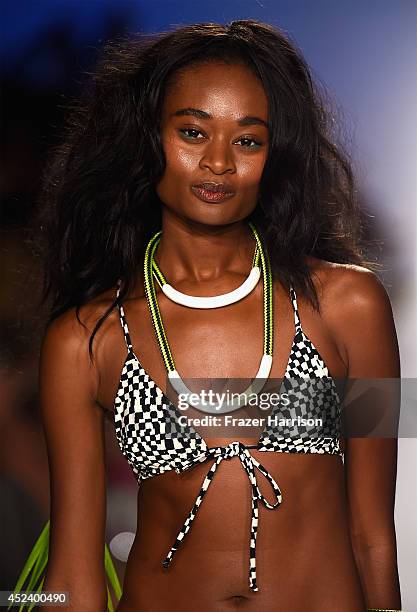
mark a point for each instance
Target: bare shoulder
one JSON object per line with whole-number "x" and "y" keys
{"x": 358, "y": 312}
{"x": 349, "y": 288}
{"x": 73, "y": 329}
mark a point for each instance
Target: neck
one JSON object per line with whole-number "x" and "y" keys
{"x": 196, "y": 252}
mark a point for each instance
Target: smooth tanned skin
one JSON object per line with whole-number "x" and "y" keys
{"x": 331, "y": 544}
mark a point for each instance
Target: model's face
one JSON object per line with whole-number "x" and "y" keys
{"x": 213, "y": 129}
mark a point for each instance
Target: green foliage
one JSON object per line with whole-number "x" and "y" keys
{"x": 34, "y": 572}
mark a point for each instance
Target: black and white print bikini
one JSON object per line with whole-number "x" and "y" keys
{"x": 153, "y": 440}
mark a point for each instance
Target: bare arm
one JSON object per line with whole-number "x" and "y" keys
{"x": 74, "y": 429}
{"x": 371, "y": 462}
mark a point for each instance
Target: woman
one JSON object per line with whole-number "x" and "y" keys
{"x": 198, "y": 156}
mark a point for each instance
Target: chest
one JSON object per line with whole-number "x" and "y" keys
{"x": 217, "y": 343}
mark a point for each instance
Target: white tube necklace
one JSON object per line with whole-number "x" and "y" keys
{"x": 214, "y": 301}
{"x": 266, "y": 361}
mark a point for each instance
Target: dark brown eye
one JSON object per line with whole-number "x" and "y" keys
{"x": 247, "y": 138}
{"x": 189, "y": 130}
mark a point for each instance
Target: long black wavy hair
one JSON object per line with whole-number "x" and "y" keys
{"x": 99, "y": 204}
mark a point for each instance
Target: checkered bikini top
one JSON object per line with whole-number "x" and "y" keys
{"x": 153, "y": 440}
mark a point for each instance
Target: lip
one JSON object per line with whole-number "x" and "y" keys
{"x": 211, "y": 195}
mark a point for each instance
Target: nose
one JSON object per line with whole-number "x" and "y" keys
{"x": 218, "y": 157}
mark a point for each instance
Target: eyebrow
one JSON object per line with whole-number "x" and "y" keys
{"x": 200, "y": 114}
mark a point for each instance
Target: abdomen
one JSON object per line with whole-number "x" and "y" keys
{"x": 303, "y": 551}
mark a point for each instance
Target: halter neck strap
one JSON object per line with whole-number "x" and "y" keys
{"x": 123, "y": 320}
{"x": 297, "y": 320}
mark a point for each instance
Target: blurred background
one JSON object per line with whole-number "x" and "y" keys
{"x": 365, "y": 54}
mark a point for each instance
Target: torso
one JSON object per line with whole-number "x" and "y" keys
{"x": 303, "y": 548}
